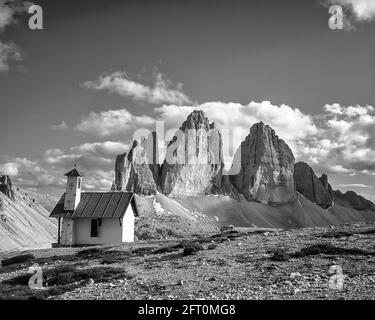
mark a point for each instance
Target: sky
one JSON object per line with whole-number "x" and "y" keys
{"x": 75, "y": 92}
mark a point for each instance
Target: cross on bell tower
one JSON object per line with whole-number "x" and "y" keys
{"x": 73, "y": 189}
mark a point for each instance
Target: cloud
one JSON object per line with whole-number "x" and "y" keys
{"x": 61, "y": 126}
{"x": 112, "y": 122}
{"x": 289, "y": 123}
{"x": 9, "y": 168}
{"x": 355, "y": 185}
{"x": 364, "y": 10}
{"x": 162, "y": 90}
{"x": 345, "y": 141}
{"x": 8, "y": 11}
{"x": 27, "y": 173}
{"x": 96, "y": 160}
{"x": 8, "y": 52}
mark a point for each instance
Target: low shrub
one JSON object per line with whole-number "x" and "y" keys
{"x": 17, "y": 259}
{"x": 328, "y": 249}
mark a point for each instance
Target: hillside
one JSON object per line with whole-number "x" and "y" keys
{"x": 295, "y": 214}
{"x": 223, "y": 210}
{"x": 47, "y": 201}
{"x": 24, "y": 223}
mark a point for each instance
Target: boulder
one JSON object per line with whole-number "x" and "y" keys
{"x": 194, "y": 163}
{"x": 313, "y": 188}
{"x": 266, "y": 165}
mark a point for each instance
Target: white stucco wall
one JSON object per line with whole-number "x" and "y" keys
{"x": 110, "y": 232}
{"x": 128, "y": 225}
{"x": 78, "y": 231}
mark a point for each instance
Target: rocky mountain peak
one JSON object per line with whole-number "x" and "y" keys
{"x": 196, "y": 120}
{"x": 315, "y": 189}
{"x": 266, "y": 165}
{"x": 194, "y": 159}
{"x": 134, "y": 170}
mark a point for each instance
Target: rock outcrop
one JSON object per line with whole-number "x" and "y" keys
{"x": 133, "y": 172}
{"x": 194, "y": 162}
{"x": 324, "y": 180}
{"x": 6, "y": 186}
{"x": 266, "y": 166}
{"x": 350, "y": 198}
{"x": 315, "y": 189}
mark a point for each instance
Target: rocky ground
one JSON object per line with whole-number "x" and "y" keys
{"x": 242, "y": 264}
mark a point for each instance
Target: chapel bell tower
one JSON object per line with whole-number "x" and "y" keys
{"x": 73, "y": 189}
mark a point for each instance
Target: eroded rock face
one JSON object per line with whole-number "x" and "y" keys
{"x": 266, "y": 165}
{"x": 194, "y": 161}
{"x": 133, "y": 171}
{"x": 6, "y": 186}
{"x": 315, "y": 189}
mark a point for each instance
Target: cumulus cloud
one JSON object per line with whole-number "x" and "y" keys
{"x": 345, "y": 141}
{"x": 8, "y": 11}
{"x": 355, "y": 185}
{"x": 9, "y": 168}
{"x": 289, "y": 123}
{"x": 8, "y": 51}
{"x": 27, "y": 173}
{"x": 112, "y": 122}
{"x": 161, "y": 91}
{"x": 95, "y": 160}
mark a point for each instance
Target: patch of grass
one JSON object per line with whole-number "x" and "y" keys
{"x": 17, "y": 259}
{"x": 328, "y": 249}
{"x": 168, "y": 249}
{"x": 143, "y": 250}
{"x": 60, "y": 280}
{"x": 337, "y": 234}
{"x": 90, "y": 252}
{"x": 340, "y": 234}
{"x": 115, "y": 257}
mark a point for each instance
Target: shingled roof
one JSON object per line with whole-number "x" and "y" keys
{"x": 74, "y": 173}
{"x": 105, "y": 205}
